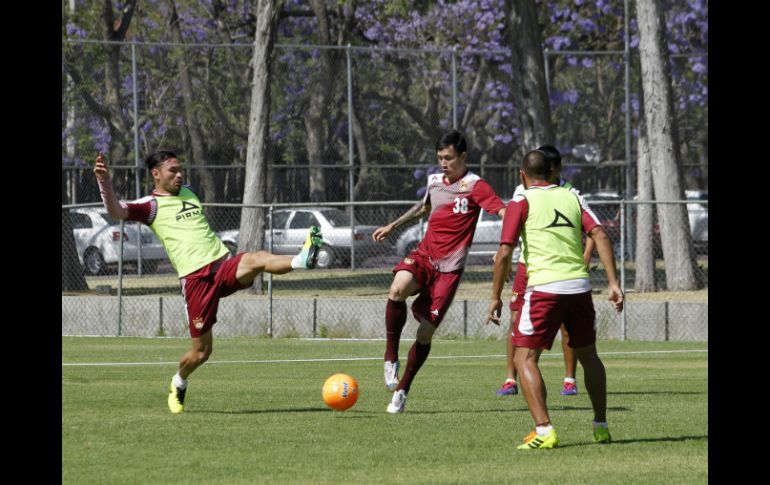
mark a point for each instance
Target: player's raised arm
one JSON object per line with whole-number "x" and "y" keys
{"x": 110, "y": 200}
{"x": 416, "y": 211}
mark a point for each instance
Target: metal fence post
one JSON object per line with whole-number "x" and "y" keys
{"x": 623, "y": 265}
{"x": 161, "y": 333}
{"x": 120, "y": 278}
{"x": 270, "y": 277}
{"x": 454, "y": 87}
{"x": 465, "y": 318}
{"x": 547, "y": 73}
{"x": 627, "y": 87}
{"x": 315, "y": 317}
{"x": 351, "y": 196}
{"x": 136, "y": 154}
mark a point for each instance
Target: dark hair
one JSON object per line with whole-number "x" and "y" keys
{"x": 452, "y": 138}
{"x": 158, "y": 157}
{"x": 535, "y": 165}
{"x": 552, "y": 155}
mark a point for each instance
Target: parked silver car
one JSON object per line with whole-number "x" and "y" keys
{"x": 486, "y": 239}
{"x": 290, "y": 228}
{"x": 97, "y": 240}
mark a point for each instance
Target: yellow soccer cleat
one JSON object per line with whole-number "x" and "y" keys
{"x": 176, "y": 399}
{"x": 550, "y": 440}
{"x": 308, "y": 257}
{"x": 601, "y": 435}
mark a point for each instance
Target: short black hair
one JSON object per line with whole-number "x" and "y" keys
{"x": 535, "y": 165}
{"x": 452, "y": 138}
{"x": 552, "y": 155}
{"x": 158, "y": 157}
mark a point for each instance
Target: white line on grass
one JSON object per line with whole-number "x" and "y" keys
{"x": 352, "y": 359}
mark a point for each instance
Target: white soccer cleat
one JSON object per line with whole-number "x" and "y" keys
{"x": 391, "y": 375}
{"x": 398, "y": 402}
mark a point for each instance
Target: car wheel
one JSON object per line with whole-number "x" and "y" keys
{"x": 231, "y": 246}
{"x": 94, "y": 262}
{"x": 325, "y": 257}
{"x": 410, "y": 247}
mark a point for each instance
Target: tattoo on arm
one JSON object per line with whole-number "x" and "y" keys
{"x": 416, "y": 211}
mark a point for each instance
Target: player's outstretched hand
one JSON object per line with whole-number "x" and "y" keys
{"x": 493, "y": 313}
{"x": 382, "y": 232}
{"x": 100, "y": 167}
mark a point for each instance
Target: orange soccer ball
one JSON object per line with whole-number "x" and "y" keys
{"x": 340, "y": 392}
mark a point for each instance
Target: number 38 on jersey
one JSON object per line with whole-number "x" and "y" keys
{"x": 461, "y": 205}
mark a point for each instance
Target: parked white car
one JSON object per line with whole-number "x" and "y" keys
{"x": 698, "y": 214}
{"x": 97, "y": 240}
{"x": 290, "y": 227}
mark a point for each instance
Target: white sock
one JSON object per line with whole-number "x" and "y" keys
{"x": 543, "y": 430}
{"x": 600, "y": 425}
{"x": 570, "y": 379}
{"x": 179, "y": 382}
{"x": 511, "y": 380}
{"x": 297, "y": 262}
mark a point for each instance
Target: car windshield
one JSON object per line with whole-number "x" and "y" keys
{"x": 109, "y": 219}
{"x": 336, "y": 217}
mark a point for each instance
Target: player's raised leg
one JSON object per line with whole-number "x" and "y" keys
{"x": 252, "y": 264}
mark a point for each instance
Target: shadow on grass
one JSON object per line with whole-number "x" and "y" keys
{"x": 644, "y": 393}
{"x": 584, "y": 408}
{"x": 258, "y": 411}
{"x": 639, "y": 440}
{"x": 662, "y": 439}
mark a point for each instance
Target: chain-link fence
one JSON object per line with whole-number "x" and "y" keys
{"x": 140, "y": 293}
{"x": 350, "y": 127}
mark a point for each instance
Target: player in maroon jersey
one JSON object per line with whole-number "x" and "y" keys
{"x": 454, "y": 200}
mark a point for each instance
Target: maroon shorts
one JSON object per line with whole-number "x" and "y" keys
{"x": 543, "y": 313}
{"x": 436, "y": 289}
{"x": 203, "y": 289}
{"x": 519, "y": 287}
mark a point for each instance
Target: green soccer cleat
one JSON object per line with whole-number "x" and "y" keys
{"x": 176, "y": 399}
{"x": 601, "y": 435}
{"x": 308, "y": 257}
{"x": 535, "y": 442}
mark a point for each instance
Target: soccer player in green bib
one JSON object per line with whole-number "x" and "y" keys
{"x": 551, "y": 220}
{"x": 207, "y": 271}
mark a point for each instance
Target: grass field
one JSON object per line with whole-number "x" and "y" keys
{"x": 255, "y": 415}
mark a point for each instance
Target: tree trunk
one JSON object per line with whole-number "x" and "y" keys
{"x": 665, "y": 160}
{"x": 115, "y": 31}
{"x": 529, "y": 86}
{"x": 188, "y": 99}
{"x": 252, "y": 220}
{"x": 316, "y": 118}
{"x": 645, "y": 256}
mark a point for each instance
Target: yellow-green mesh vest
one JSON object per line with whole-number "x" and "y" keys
{"x": 185, "y": 233}
{"x": 552, "y": 236}
{"x": 522, "y": 259}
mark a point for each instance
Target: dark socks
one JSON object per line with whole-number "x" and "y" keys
{"x": 418, "y": 354}
{"x": 395, "y": 319}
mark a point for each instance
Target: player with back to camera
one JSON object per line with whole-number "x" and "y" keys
{"x": 551, "y": 219}
{"x": 207, "y": 271}
{"x": 569, "y": 388}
